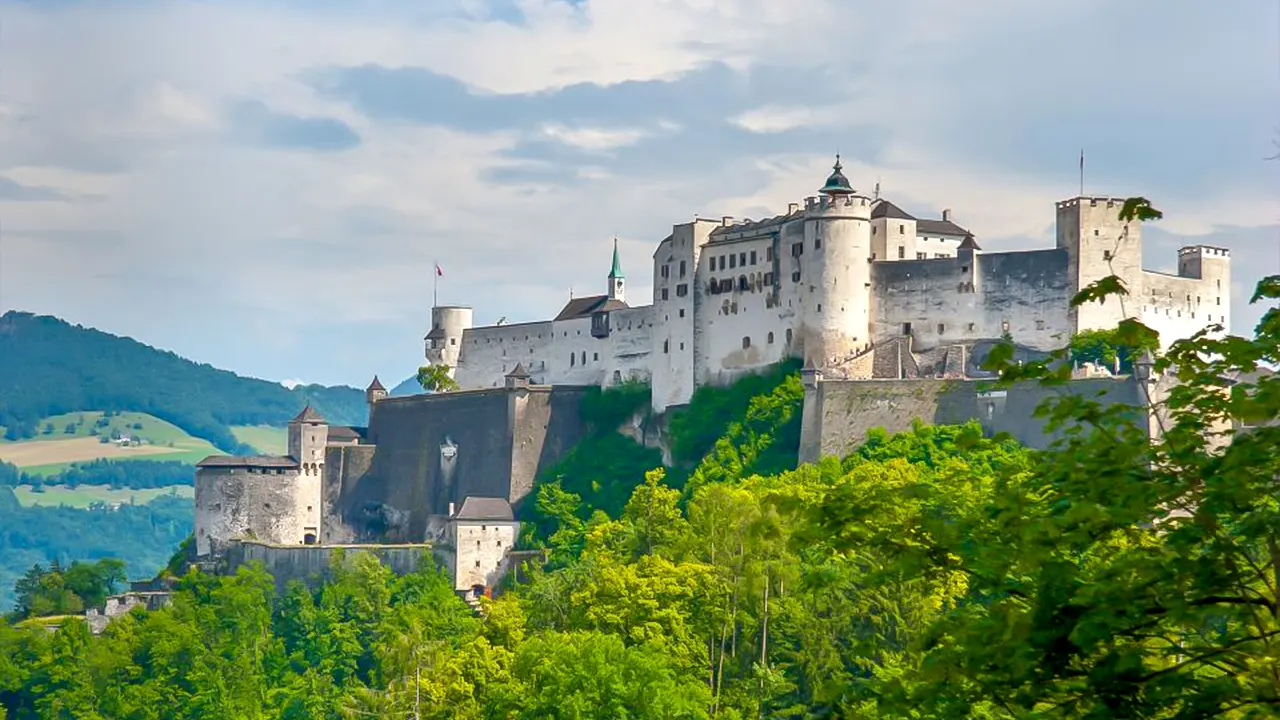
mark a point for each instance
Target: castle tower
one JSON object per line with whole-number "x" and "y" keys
{"x": 1212, "y": 299}
{"x": 616, "y": 277}
{"x": 1098, "y": 244}
{"x": 374, "y": 393}
{"x": 308, "y": 435}
{"x": 833, "y": 260}
{"x": 444, "y": 342}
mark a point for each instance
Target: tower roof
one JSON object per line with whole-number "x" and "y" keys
{"x": 518, "y": 372}
{"x": 375, "y": 385}
{"x": 616, "y": 271}
{"x": 969, "y": 243}
{"x": 308, "y": 415}
{"x": 437, "y": 333}
{"x": 837, "y": 183}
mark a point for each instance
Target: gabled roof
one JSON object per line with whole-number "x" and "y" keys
{"x": 886, "y": 209}
{"x": 939, "y": 227}
{"x": 375, "y": 385}
{"x": 437, "y": 333}
{"x": 347, "y": 433}
{"x": 308, "y": 415}
{"x": 585, "y": 306}
{"x": 485, "y": 508}
{"x": 247, "y": 461}
{"x": 518, "y": 372}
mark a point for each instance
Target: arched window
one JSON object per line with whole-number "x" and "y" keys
{"x": 584, "y": 357}
{"x": 770, "y": 339}
{"x": 788, "y": 336}
{"x": 742, "y": 282}
{"x": 746, "y": 342}
{"x": 573, "y": 359}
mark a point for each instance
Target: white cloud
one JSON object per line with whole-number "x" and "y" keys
{"x": 130, "y": 102}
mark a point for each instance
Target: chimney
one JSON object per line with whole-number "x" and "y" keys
{"x": 450, "y": 509}
{"x": 793, "y": 208}
{"x": 726, "y": 221}
{"x": 946, "y": 215}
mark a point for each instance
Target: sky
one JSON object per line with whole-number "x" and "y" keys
{"x": 266, "y": 185}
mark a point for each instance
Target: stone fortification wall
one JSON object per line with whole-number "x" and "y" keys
{"x": 310, "y": 563}
{"x": 432, "y": 450}
{"x": 275, "y": 505}
{"x": 974, "y": 297}
{"x": 346, "y": 467}
{"x": 838, "y": 414}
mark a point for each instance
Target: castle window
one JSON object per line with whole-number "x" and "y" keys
{"x": 1004, "y": 326}
{"x": 768, "y": 278}
{"x": 477, "y": 563}
{"x": 921, "y": 256}
{"x": 770, "y": 338}
{"x": 453, "y": 341}
{"x": 1095, "y": 232}
{"x": 499, "y": 543}
{"x": 819, "y": 307}
{"x": 1106, "y": 254}
{"x": 746, "y": 342}
{"x": 788, "y": 336}
{"x": 681, "y": 346}
{"x": 906, "y": 328}
{"x": 970, "y": 327}
{"x": 572, "y": 359}
{"x": 309, "y": 539}
{"x": 873, "y": 229}
{"x": 664, "y": 294}
{"x": 682, "y": 290}
{"x": 1218, "y": 301}
{"x": 721, "y": 262}
{"x": 768, "y": 254}
{"x": 795, "y": 276}
{"x": 902, "y": 229}
{"x": 753, "y": 257}
{"x": 1039, "y": 324}
{"x": 595, "y": 356}
{"x": 682, "y": 268}
{"x": 733, "y": 261}
{"x": 742, "y": 282}
{"x": 584, "y": 357}
{"x": 797, "y": 249}
{"x": 666, "y": 346}
{"x": 681, "y": 312}
{"x": 941, "y": 328}
{"x": 742, "y": 259}
{"x": 902, "y": 252}
{"x": 817, "y": 243}
{"x": 1219, "y": 284}
{"x": 1197, "y": 299}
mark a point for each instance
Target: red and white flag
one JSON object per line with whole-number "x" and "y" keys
{"x": 439, "y": 270}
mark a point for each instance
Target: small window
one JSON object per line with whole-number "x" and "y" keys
{"x": 733, "y": 261}
{"x": 819, "y": 307}
{"x": 817, "y": 243}
{"x": 971, "y": 327}
{"x": 665, "y": 294}
{"x": 795, "y": 276}
{"x": 595, "y": 356}
{"x": 1004, "y": 326}
{"x": 902, "y": 229}
{"x": 797, "y": 249}
{"x": 1039, "y": 324}
{"x": 921, "y": 256}
{"x": 1095, "y": 232}
{"x": 746, "y": 343}
{"x": 873, "y": 229}
{"x": 477, "y": 563}
{"x": 770, "y": 338}
{"x": 768, "y": 278}
{"x": 1106, "y": 254}
{"x": 1218, "y": 301}
{"x": 753, "y": 257}
{"x": 742, "y": 258}
{"x": 906, "y": 328}
{"x": 572, "y": 359}
{"x": 681, "y": 312}
{"x": 499, "y": 543}
{"x": 941, "y": 328}
{"x": 682, "y": 268}
{"x": 453, "y": 341}
{"x": 584, "y": 357}
{"x": 666, "y": 346}
{"x": 768, "y": 254}
{"x": 902, "y": 252}
{"x": 788, "y": 336}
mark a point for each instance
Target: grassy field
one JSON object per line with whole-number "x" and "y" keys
{"x": 85, "y": 495}
{"x": 57, "y": 448}
{"x": 268, "y": 440}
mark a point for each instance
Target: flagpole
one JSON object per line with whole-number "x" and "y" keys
{"x": 1081, "y": 172}
{"x": 435, "y": 283}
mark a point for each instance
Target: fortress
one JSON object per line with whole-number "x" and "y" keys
{"x": 890, "y": 313}
{"x": 853, "y": 285}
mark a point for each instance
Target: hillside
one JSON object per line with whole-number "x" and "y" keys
{"x": 49, "y": 367}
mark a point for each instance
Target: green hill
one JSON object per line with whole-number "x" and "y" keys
{"x": 49, "y": 367}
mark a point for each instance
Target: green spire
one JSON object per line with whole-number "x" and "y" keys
{"x": 616, "y": 272}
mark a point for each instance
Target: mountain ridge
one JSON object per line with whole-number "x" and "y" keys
{"x": 49, "y": 366}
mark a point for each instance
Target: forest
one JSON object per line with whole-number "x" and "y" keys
{"x": 50, "y": 367}
{"x": 935, "y": 573}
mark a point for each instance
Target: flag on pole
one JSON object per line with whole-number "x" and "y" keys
{"x": 439, "y": 270}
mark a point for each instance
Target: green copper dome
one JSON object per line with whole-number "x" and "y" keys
{"x": 837, "y": 183}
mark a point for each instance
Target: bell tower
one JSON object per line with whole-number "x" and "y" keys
{"x": 617, "y": 279}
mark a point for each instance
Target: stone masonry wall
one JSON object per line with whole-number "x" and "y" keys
{"x": 309, "y": 563}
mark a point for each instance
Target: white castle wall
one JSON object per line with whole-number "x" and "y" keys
{"x": 481, "y": 549}
{"x": 823, "y": 282}
{"x": 273, "y": 505}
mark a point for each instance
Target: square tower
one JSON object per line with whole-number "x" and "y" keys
{"x": 1099, "y": 244}
{"x": 1212, "y": 267}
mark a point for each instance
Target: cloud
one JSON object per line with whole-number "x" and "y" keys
{"x": 289, "y": 173}
{"x": 11, "y": 190}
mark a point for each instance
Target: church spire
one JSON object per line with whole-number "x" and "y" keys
{"x": 616, "y": 278}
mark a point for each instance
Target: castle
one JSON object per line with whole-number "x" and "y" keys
{"x": 853, "y": 285}
{"x": 890, "y": 313}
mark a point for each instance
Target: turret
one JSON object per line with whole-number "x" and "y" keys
{"x": 616, "y": 277}
{"x": 834, "y": 260}
{"x": 374, "y": 393}
{"x": 444, "y": 341}
{"x": 308, "y": 436}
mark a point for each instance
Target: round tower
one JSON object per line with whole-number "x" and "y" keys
{"x": 836, "y": 263}
{"x": 444, "y": 342}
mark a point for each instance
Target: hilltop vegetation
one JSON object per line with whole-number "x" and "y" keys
{"x": 932, "y": 574}
{"x": 49, "y": 367}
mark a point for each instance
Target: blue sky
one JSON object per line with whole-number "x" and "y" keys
{"x": 265, "y": 186}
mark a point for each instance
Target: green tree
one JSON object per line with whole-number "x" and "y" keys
{"x": 436, "y": 378}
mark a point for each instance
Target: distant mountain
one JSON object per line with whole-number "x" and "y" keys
{"x": 49, "y": 367}
{"x": 408, "y": 387}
